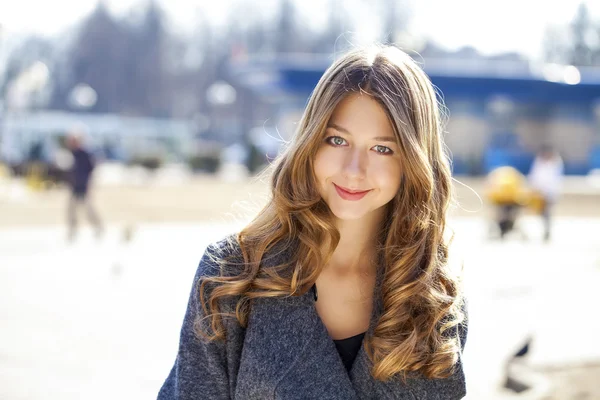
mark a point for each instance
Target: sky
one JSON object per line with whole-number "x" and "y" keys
{"x": 491, "y": 27}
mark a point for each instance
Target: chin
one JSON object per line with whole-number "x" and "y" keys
{"x": 346, "y": 214}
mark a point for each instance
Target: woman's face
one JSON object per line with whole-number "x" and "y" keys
{"x": 357, "y": 166}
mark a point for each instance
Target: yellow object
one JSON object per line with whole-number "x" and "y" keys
{"x": 35, "y": 176}
{"x": 4, "y": 173}
{"x": 537, "y": 202}
{"x": 506, "y": 185}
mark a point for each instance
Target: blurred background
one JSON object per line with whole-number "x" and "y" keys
{"x": 180, "y": 105}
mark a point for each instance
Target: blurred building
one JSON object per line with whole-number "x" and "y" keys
{"x": 500, "y": 112}
{"x": 110, "y": 136}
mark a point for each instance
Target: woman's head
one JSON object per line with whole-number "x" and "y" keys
{"x": 372, "y": 124}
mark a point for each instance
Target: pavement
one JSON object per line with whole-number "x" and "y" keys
{"x": 530, "y": 289}
{"x": 100, "y": 319}
{"x": 163, "y": 198}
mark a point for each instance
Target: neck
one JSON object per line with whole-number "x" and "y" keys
{"x": 357, "y": 247}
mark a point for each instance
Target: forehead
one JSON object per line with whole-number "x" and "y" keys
{"x": 361, "y": 114}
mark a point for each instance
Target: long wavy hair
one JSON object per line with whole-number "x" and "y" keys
{"x": 416, "y": 331}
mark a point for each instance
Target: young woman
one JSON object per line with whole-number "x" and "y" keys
{"x": 340, "y": 288}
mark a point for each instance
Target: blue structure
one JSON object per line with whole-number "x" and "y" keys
{"x": 500, "y": 112}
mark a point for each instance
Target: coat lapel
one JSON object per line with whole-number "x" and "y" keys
{"x": 416, "y": 387}
{"x": 297, "y": 358}
{"x": 287, "y": 352}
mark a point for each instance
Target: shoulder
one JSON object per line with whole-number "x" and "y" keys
{"x": 224, "y": 259}
{"x": 221, "y": 258}
{"x": 224, "y": 248}
{"x": 225, "y": 256}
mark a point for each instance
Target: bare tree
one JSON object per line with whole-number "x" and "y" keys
{"x": 98, "y": 59}
{"x": 148, "y": 81}
{"x": 581, "y": 31}
{"x": 577, "y": 44}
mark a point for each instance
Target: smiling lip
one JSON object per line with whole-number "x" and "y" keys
{"x": 349, "y": 194}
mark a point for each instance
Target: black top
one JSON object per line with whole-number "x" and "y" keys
{"x": 81, "y": 170}
{"x": 348, "y": 349}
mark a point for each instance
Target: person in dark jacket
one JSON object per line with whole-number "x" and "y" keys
{"x": 342, "y": 287}
{"x": 80, "y": 176}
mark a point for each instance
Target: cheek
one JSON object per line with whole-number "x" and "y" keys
{"x": 325, "y": 164}
{"x": 388, "y": 175}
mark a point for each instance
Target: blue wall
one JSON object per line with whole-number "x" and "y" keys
{"x": 536, "y": 98}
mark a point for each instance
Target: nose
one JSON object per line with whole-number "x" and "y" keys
{"x": 355, "y": 165}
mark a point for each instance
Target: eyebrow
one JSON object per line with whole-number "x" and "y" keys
{"x": 347, "y": 132}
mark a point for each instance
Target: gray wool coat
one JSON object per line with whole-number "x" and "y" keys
{"x": 285, "y": 353}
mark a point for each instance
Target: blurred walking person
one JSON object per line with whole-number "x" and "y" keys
{"x": 545, "y": 178}
{"x": 80, "y": 175}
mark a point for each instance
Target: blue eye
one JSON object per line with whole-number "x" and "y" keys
{"x": 383, "y": 149}
{"x": 336, "y": 141}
